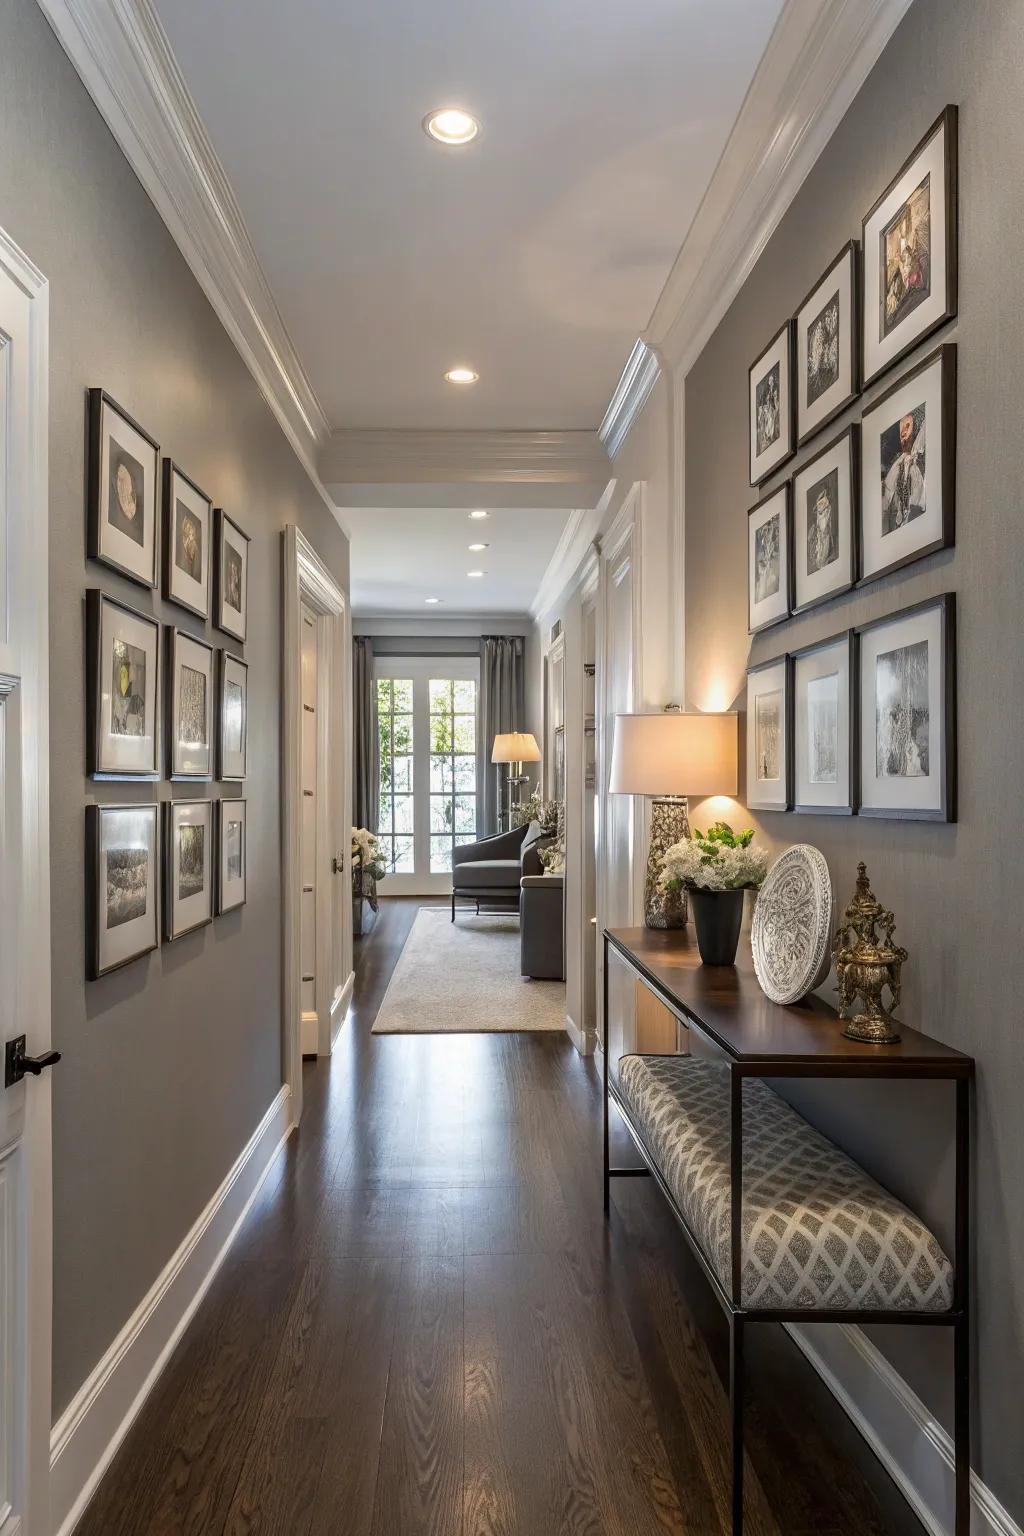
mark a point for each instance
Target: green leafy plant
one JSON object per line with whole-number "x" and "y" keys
{"x": 544, "y": 812}
{"x": 718, "y": 860}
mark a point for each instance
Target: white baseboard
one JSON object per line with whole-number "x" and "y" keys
{"x": 340, "y": 1007}
{"x": 911, "y": 1444}
{"x": 584, "y": 1043}
{"x": 87, "y": 1434}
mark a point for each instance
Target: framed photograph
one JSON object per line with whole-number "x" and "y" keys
{"x": 909, "y": 437}
{"x": 190, "y": 684}
{"x": 123, "y": 465}
{"x": 907, "y": 713}
{"x": 232, "y": 576}
{"x": 769, "y": 713}
{"x": 825, "y": 522}
{"x": 824, "y": 734}
{"x": 188, "y": 541}
{"x": 771, "y": 406}
{"x": 121, "y": 885}
{"x": 910, "y": 251}
{"x": 123, "y": 685}
{"x": 231, "y": 855}
{"x": 232, "y": 717}
{"x": 188, "y": 866}
{"x": 828, "y": 346}
{"x": 768, "y": 560}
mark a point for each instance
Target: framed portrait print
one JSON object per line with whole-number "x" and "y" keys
{"x": 768, "y": 735}
{"x": 771, "y": 406}
{"x": 828, "y": 346}
{"x": 910, "y": 251}
{"x": 825, "y": 522}
{"x": 768, "y": 561}
{"x": 231, "y": 855}
{"x": 232, "y": 576}
{"x": 121, "y": 843}
{"x": 188, "y": 541}
{"x": 123, "y": 686}
{"x": 909, "y": 437}
{"x": 190, "y": 685}
{"x": 232, "y": 717}
{"x": 907, "y": 713}
{"x": 123, "y": 464}
{"x": 188, "y": 866}
{"x": 824, "y": 695}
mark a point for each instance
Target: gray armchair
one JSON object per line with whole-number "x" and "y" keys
{"x": 489, "y": 870}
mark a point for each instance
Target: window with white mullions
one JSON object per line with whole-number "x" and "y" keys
{"x": 453, "y": 768}
{"x": 397, "y": 785}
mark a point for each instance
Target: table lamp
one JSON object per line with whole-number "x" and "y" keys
{"x": 514, "y": 748}
{"x": 670, "y": 756}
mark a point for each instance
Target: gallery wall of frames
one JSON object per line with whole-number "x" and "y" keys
{"x": 863, "y": 722}
{"x": 162, "y": 701}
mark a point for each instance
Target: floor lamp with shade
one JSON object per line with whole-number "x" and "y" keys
{"x": 513, "y": 749}
{"x": 670, "y": 756}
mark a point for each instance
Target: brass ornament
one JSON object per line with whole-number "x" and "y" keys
{"x": 865, "y": 966}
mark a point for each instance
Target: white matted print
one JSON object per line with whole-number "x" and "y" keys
{"x": 124, "y": 677}
{"x": 771, "y": 406}
{"x": 232, "y": 854}
{"x": 907, "y": 713}
{"x": 825, "y": 522}
{"x": 768, "y": 561}
{"x": 190, "y": 726}
{"x": 823, "y": 691}
{"x": 232, "y": 576}
{"x": 768, "y": 715}
{"x": 122, "y": 852}
{"x": 123, "y": 461}
{"x": 828, "y": 346}
{"x": 188, "y": 866}
{"x": 188, "y": 542}
{"x": 232, "y": 717}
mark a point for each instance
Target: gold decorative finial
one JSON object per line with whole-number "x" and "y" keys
{"x": 865, "y": 966}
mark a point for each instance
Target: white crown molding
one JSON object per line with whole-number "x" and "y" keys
{"x": 570, "y": 561}
{"x": 635, "y": 384}
{"x": 458, "y": 625}
{"x": 411, "y": 457}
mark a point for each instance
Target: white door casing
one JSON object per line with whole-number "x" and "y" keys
{"x": 310, "y": 841}
{"x": 590, "y": 958}
{"x": 25, "y": 1114}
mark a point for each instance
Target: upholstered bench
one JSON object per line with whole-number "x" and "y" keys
{"x": 817, "y": 1231}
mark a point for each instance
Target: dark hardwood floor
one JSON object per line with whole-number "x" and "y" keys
{"x": 425, "y": 1326}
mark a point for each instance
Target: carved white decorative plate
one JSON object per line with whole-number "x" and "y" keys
{"x": 791, "y": 934}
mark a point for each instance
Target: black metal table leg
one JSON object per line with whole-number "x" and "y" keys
{"x": 604, "y": 1075}
{"x": 961, "y": 1302}
{"x": 736, "y": 1341}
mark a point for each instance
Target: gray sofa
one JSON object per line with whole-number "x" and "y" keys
{"x": 507, "y": 869}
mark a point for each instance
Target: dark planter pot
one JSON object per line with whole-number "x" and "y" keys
{"x": 717, "y": 917}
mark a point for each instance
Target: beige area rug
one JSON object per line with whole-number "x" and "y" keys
{"x": 463, "y": 977}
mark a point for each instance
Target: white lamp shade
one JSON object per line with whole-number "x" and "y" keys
{"x": 515, "y": 747}
{"x": 674, "y": 754}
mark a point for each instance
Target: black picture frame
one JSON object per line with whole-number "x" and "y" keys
{"x": 785, "y": 490}
{"x": 223, "y": 808}
{"x": 225, "y": 658}
{"x": 852, "y": 723}
{"x": 850, "y": 252}
{"x": 758, "y": 474}
{"x": 95, "y": 602}
{"x": 170, "y": 471}
{"x": 94, "y": 968}
{"x": 786, "y": 662}
{"x": 169, "y": 808}
{"x": 851, "y": 434}
{"x": 96, "y": 400}
{"x": 225, "y": 521}
{"x": 174, "y": 773}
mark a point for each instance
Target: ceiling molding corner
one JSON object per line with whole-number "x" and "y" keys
{"x": 638, "y": 378}
{"x": 571, "y": 561}
{"x": 408, "y": 456}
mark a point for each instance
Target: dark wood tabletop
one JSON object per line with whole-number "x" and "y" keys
{"x": 727, "y": 1004}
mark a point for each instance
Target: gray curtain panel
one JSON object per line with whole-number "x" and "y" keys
{"x": 365, "y": 740}
{"x": 502, "y": 708}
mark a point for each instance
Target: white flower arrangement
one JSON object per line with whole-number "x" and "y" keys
{"x": 720, "y": 860}
{"x": 367, "y": 850}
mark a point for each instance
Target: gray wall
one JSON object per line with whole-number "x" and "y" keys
{"x": 169, "y": 1064}
{"x": 956, "y": 890}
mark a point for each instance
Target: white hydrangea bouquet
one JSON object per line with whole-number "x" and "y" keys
{"x": 718, "y": 860}
{"x": 367, "y": 850}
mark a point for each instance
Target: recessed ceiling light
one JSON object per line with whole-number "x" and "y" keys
{"x": 450, "y": 125}
{"x": 475, "y": 574}
{"x": 431, "y": 599}
{"x": 478, "y": 514}
{"x": 476, "y": 548}
{"x": 461, "y": 376}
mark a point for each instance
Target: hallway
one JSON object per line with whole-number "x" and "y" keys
{"x": 424, "y": 1326}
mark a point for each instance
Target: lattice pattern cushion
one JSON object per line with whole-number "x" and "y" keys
{"x": 817, "y": 1231}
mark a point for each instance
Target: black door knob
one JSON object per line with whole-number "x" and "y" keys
{"x": 17, "y": 1064}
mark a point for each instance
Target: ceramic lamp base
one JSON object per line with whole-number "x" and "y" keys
{"x": 669, "y": 824}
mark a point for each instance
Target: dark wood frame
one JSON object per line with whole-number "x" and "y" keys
{"x": 762, "y": 666}
{"x": 946, "y": 603}
{"x": 947, "y": 120}
{"x": 790, "y": 420}
{"x": 231, "y": 778}
{"x": 93, "y": 815}
{"x": 96, "y": 399}
{"x": 170, "y": 806}
{"x": 852, "y": 433}
{"x": 851, "y": 248}
{"x": 218, "y": 820}
{"x": 786, "y": 491}
{"x": 95, "y": 598}
{"x": 170, "y": 470}
{"x": 173, "y": 635}
{"x": 945, "y": 355}
{"x": 828, "y": 1054}
{"x": 223, "y": 517}
{"x": 850, "y": 636}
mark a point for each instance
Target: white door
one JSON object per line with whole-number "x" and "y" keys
{"x": 25, "y": 1156}
{"x": 310, "y": 1018}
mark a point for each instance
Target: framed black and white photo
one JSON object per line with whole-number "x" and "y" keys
{"x": 824, "y": 698}
{"x": 190, "y": 685}
{"x": 123, "y": 687}
{"x": 121, "y": 876}
{"x": 188, "y": 866}
{"x": 828, "y": 346}
{"x": 825, "y": 522}
{"x": 188, "y": 541}
{"x": 232, "y": 717}
{"x": 907, "y": 713}
{"x": 768, "y": 560}
{"x": 909, "y": 438}
{"x": 768, "y": 735}
{"x": 771, "y": 406}
{"x": 910, "y": 251}
{"x": 231, "y": 855}
{"x": 123, "y": 467}
{"x": 232, "y": 576}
